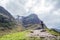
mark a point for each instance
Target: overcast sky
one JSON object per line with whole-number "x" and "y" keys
{"x": 47, "y": 10}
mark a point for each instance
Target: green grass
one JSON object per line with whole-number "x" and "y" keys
{"x": 15, "y": 36}
{"x": 19, "y": 36}
{"x": 22, "y": 36}
{"x": 53, "y": 32}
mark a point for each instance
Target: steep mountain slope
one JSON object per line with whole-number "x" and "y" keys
{"x": 5, "y": 13}
{"x": 32, "y": 22}
{"x": 8, "y": 24}
{"x": 6, "y": 19}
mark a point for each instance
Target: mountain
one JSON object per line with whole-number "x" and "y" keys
{"x": 28, "y": 22}
{"x": 8, "y": 24}
{"x": 32, "y": 21}
{"x": 5, "y": 13}
{"x": 6, "y": 19}
{"x": 58, "y": 30}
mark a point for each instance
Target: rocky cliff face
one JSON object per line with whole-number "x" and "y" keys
{"x": 6, "y": 19}
{"x": 5, "y": 13}
{"x": 32, "y": 22}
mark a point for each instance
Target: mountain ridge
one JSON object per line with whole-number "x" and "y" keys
{"x": 6, "y": 19}
{"x": 30, "y": 20}
{"x": 5, "y": 13}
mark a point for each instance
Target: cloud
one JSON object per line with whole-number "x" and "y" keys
{"x": 47, "y": 10}
{"x": 16, "y": 7}
{"x": 3, "y": 2}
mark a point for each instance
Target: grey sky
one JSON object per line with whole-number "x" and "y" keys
{"x": 47, "y": 10}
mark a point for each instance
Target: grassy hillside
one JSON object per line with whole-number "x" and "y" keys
{"x": 8, "y": 26}
{"x": 34, "y": 26}
{"x": 20, "y": 36}
{"x": 53, "y": 32}
{"x": 15, "y": 36}
{"x": 23, "y": 35}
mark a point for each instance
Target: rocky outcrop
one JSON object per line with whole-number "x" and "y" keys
{"x": 6, "y": 19}
{"x": 32, "y": 22}
{"x": 5, "y": 13}
{"x": 41, "y": 34}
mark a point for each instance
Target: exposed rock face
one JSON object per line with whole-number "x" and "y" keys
{"x": 5, "y": 13}
{"x": 6, "y": 19}
{"x": 32, "y": 21}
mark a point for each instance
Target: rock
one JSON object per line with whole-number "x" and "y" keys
{"x": 38, "y": 33}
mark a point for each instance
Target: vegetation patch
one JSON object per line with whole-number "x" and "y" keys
{"x": 15, "y": 36}
{"x": 53, "y": 32}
